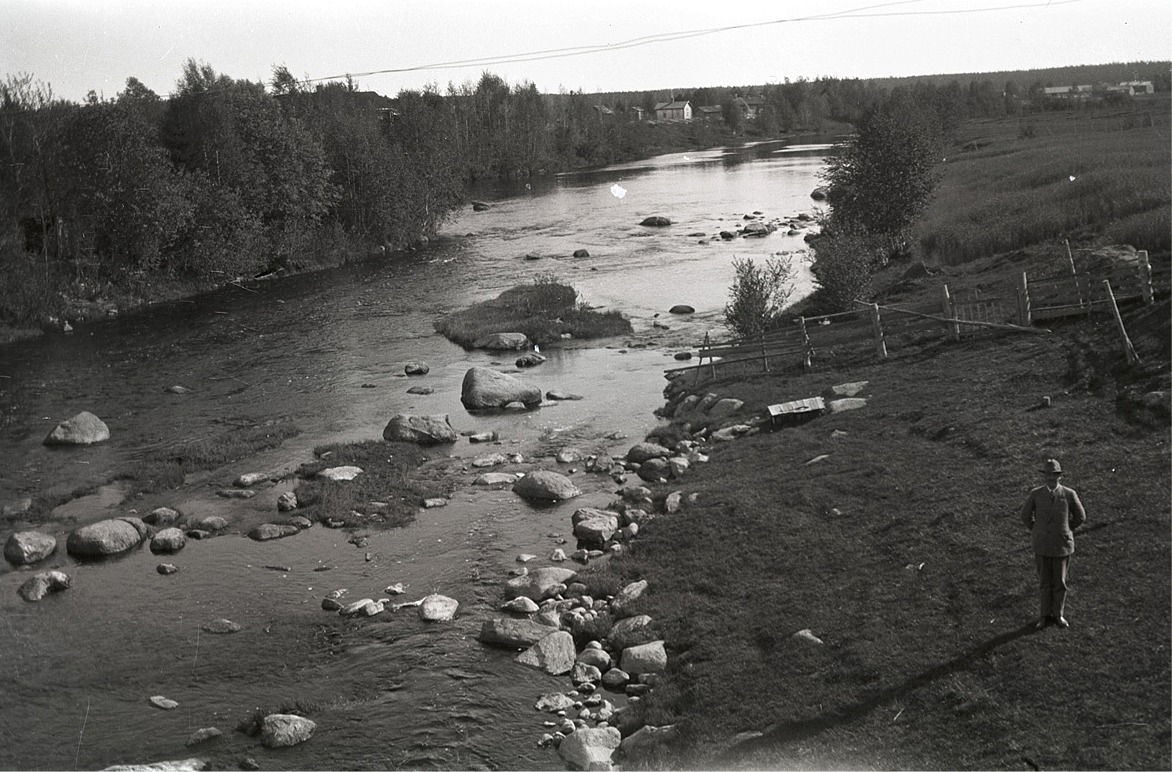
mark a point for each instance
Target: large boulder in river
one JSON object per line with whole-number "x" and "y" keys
{"x": 281, "y": 730}
{"x": 168, "y": 540}
{"x": 819, "y": 194}
{"x": 589, "y": 748}
{"x": 105, "y": 537}
{"x": 27, "y": 547}
{"x": 420, "y": 429}
{"x": 485, "y": 388}
{"x": 503, "y": 341}
{"x": 655, "y": 221}
{"x": 543, "y": 485}
{"x": 438, "y": 608}
{"x": 595, "y": 526}
{"x": 270, "y": 531}
{"x": 681, "y": 309}
{"x": 554, "y": 653}
{"x": 647, "y": 450}
{"x": 83, "y": 429}
{"x": 42, "y": 584}
{"x": 539, "y": 584}
{"x": 512, "y": 633}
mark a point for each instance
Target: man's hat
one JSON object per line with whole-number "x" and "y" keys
{"x": 1051, "y": 465}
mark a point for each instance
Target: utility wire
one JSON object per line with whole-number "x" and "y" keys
{"x": 863, "y": 12}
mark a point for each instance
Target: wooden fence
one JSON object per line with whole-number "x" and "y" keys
{"x": 875, "y": 328}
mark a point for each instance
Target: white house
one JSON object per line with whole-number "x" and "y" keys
{"x": 673, "y": 111}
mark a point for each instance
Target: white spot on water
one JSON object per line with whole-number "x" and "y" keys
{"x": 617, "y": 190}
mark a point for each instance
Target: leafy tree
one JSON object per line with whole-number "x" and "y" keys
{"x": 883, "y": 178}
{"x": 734, "y": 117}
{"x": 758, "y": 295}
{"x": 124, "y": 206}
{"x": 844, "y": 265}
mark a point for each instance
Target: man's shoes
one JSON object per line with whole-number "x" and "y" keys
{"x": 1041, "y": 623}
{"x": 1061, "y": 622}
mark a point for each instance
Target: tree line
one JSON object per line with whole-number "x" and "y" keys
{"x": 226, "y": 177}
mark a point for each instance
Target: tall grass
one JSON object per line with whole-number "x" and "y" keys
{"x": 1097, "y": 175}
{"x": 543, "y": 311}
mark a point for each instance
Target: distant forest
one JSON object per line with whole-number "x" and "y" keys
{"x": 226, "y": 178}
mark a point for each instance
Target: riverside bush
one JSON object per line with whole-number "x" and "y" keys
{"x": 758, "y": 295}
{"x": 844, "y": 265}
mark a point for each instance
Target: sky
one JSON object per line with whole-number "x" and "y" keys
{"x": 617, "y": 45}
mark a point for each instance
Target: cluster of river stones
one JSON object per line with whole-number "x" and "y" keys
{"x": 754, "y": 225}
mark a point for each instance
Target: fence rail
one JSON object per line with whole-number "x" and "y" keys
{"x": 876, "y": 328}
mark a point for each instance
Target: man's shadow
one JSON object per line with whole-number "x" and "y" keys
{"x": 790, "y": 731}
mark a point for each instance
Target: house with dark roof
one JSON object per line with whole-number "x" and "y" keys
{"x": 673, "y": 111}
{"x": 749, "y": 106}
{"x": 710, "y": 112}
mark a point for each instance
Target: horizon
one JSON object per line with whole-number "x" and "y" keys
{"x": 76, "y": 47}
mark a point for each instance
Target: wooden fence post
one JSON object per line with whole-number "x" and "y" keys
{"x": 1145, "y": 277}
{"x": 1132, "y": 357}
{"x": 1082, "y": 303}
{"x": 1023, "y": 301}
{"x": 950, "y": 312}
{"x": 877, "y": 326}
{"x": 808, "y": 360}
{"x": 700, "y": 359}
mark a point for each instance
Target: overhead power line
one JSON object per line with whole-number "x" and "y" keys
{"x": 862, "y": 12}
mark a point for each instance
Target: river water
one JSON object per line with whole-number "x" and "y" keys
{"x": 326, "y": 352}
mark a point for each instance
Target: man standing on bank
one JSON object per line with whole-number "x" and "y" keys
{"x": 1052, "y": 512}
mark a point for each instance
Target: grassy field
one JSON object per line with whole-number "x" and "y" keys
{"x": 902, "y": 550}
{"x": 543, "y": 311}
{"x": 1086, "y": 174}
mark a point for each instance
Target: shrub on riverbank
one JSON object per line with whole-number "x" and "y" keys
{"x": 544, "y": 311}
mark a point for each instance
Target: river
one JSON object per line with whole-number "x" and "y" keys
{"x": 326, "y": 352}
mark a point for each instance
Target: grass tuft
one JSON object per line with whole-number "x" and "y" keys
{"x": 387, "y": 479}
{"x": 543, "y": 311}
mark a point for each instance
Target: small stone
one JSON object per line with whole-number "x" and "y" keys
{"x": 807, "y": 636}
{"x": 203, "y": 735}
{"x": 162, "y": 516}
{"x": 160, "y": 701}
{"x": 221, "y": 627}
{"x": 287, "y": 502}
{"x": 236, "y": 493}
{"x": 340, "y": 473}
{"x": 166, "y": 568}
{"x": 395, "y": 589}
{"x": 433, "y": 503}
{"x": 251, "y": 479}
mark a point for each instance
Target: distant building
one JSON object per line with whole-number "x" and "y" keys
{"x": 1068, "y": 92}
{"x": 673, "y": 111}
{"x": 1134, "y": 87}
{"x": 638, "y": 111}
{"x": 710, "y": 112}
